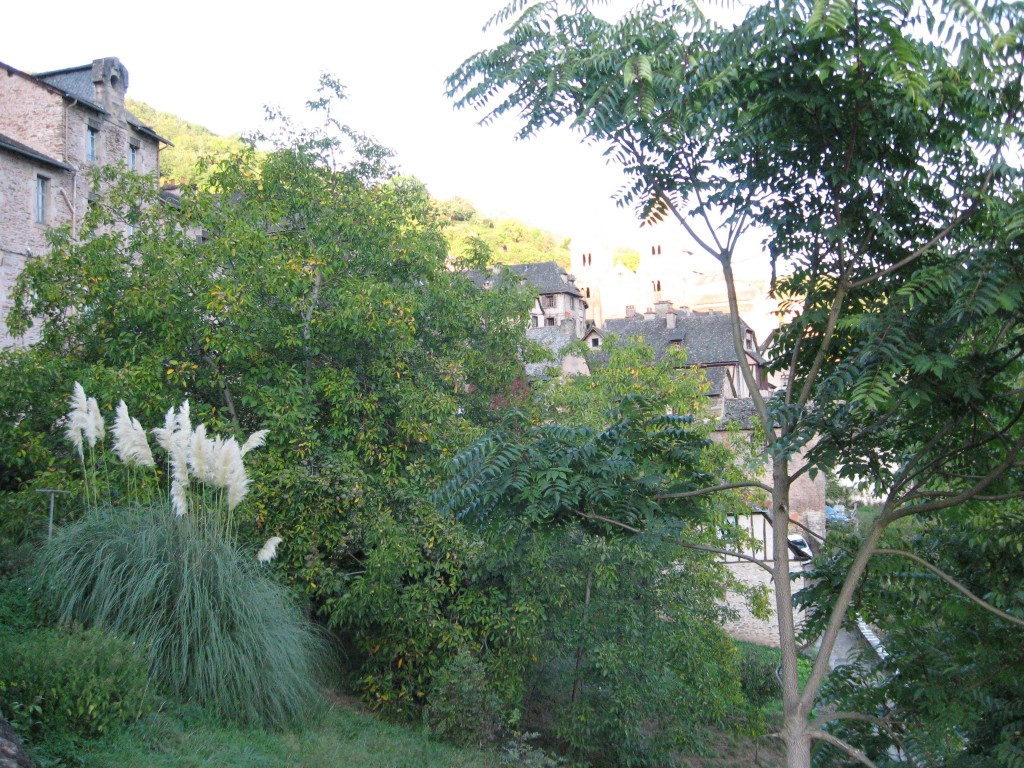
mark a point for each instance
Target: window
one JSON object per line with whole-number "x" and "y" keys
{"x": 534, "y": 322}
{"x": 133, "y": 157}
{"x": 595, "y": 342}
{"x": 42, "y": 199}
{"x": 548, "y": 301}
{"x": 549, "y": 321}
{"x": 91, "y": 135}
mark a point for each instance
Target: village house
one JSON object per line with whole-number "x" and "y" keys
{"x": 56, "y": 127}
{"x": 557, "y": 317}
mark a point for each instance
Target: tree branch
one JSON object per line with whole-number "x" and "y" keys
{"x": 680, "y": 542}
{"x": 954, "y": 583}
{"x": 715, "y": 489}
{"x": 849, "y": 749}
{"x": 928, "y": 246}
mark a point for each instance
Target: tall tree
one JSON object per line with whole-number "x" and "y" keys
{"x": 875, "y": 141}
{"x": 309, "y": 294}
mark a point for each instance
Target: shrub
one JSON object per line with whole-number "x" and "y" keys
{"x": 215, "y": 631}
{"x": 630, "y": 664}
{"x": 88, "y": 682}
{"x": 462, "y": 707}
{"x": 759, "y": 673}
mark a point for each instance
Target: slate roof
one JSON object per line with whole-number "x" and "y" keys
{"x": 706, "y": 336}
{"x": 6, "y": 142}
{"x": 74, "y": 80}
{"x": 545, "y": 276}
{"x": 77, "y": 83}
{"x": 739, "y": 410}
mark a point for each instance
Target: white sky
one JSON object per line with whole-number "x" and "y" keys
{"x": 217, "y": 64}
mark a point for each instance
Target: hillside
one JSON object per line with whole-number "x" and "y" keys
{"x": 179, "y": 163}
{"x": 504, "y": 241}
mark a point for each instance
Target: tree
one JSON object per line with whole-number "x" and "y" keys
{"x": 629, "y": 660}
{"x": 878, "y": 159}
{"x": 308, "y": 294}
{"x": 499, "y": 241}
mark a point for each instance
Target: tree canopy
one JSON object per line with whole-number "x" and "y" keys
{"x": 879, "y": 144}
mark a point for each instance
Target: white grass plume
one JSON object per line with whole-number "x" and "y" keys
{"x": 77, "y": 418}
{"x": 269, "y": 550}
{"x": 229, "y": 471}
{"x": 96, "y": 428}
{"x": 201, "y": 450}
{"x": 256, "y": 440}
{"x": 130, "y": 443}
{"x": 174, "y": 437}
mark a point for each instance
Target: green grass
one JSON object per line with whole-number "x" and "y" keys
{"x": 342, "y": 738}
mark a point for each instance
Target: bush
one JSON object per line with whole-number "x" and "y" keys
{"x": 759, "y": 673}
{"x": 629, "y": 664}
{"x": 462, "y": 707}
{"x": 89, "y": 682}
{"x": 215, "y": 631}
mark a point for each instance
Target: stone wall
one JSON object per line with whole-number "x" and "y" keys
{"x": 746, "y": 626}
{"x": 21, "y": 237}
{"x": 56, "y": 125}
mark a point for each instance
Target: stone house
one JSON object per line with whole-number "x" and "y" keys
{"x": 707, "y": 339}
{"x": 55, "y": 127}
{"x": 557, "y": 317}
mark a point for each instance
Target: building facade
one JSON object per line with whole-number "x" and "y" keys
{"x": 55, "y": 128}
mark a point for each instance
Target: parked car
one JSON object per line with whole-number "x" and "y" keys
{"x": 799, "y": 547}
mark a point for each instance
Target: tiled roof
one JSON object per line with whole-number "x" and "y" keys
{"x": 75, "y": 82}
{"x": 545, "y": 277}
{"x": 25, "y": 151}
{"x": 738, "y": 411}
{"x": 706, "y": 337}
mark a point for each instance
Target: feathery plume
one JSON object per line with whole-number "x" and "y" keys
{"x": 230, "y": 471}
{"x": 130, "y": 443}
{"x": 77, "y": 418}
{"x": 201, "y": 454}
{"x": 256, "y": 440}
{"x": 96, "y": 428}
{"x": 174, "y": 437}
{"x": 269, "y": 550}
{"x": 164, "y": 434}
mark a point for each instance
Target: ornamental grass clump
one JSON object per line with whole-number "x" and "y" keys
{"x": 167, "y": 572}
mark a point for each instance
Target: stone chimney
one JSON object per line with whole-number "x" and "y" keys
{"x": 662, "y": 307}
{"x": 670, "y": 320}
{"x": 110, "y": 80}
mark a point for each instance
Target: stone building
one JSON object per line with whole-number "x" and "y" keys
{"x": 707, "y": 339}
{"x": 56, "y": 127}
{"x": 558, "y": 314}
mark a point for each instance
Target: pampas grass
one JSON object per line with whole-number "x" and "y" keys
{"x": 269, "y": 550}
{"x": 215, "y": 631}
{"x": 130, "y": 443}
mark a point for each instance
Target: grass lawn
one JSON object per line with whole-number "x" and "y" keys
{"x": 341, "y": 738}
